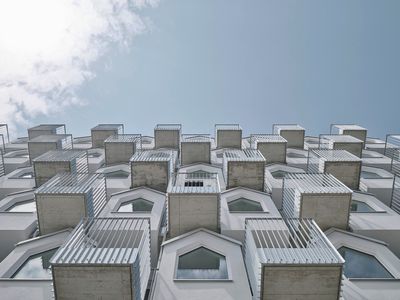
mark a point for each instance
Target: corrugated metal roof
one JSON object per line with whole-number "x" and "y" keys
{"x": 194, "y": 190}
{"x": 153, "y": 155}
{"x": 123, "y": 138}
{"x": 319, "y": 183}
{"x": 227, "y": 127}
{"x": 289, "y": 241}
{"x": 60, "y": 155}
{"x": 71, "y": 184}
{"x": 340, "y": 138}
{"x": 104, "y": 241}
{"x": 168, "y": 127}
{"x": 335, "y": 155}
{"x": 196, "y": 138}
{"x": 108, "y": 127}
{"x": 267, "y": 138}
{"x": 47, "y": 127}
{"x": 250, "y": 155}
{"x": 286, "y": 127}
{"x": 349, "y": 126}
{"x": 50, "y": 138}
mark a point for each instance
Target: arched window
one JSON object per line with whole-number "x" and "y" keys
{"x": 244, "y": 205}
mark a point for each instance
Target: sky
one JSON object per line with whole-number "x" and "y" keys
{"x": 198, "y": 63}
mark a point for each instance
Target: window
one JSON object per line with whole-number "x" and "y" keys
{"x": 362, "y": 265}
{"x": 136, "y": 205}
{"x": 202, "y": 263}
{"x": 243, "y": 204}
{"x": 358, "y": 206}
{"x": 194, "y": 183}
{"x": 117, "y": 174}
{"x": 370, "y": 175}
{"x": 23, "y": 206}
{"x": 279, "y": 174}
{"x": 26, "y": 175}
{"x": 36, "y": 266}
{"x": 198, "y": 175}
{"x": 93, "y": 155}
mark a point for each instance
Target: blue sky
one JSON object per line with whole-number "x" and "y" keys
{"x": 253, "y": 62}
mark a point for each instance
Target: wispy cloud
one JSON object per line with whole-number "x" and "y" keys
{"x": 47, "y": 48}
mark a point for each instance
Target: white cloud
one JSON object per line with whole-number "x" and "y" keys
{"x": 48, "y": 46}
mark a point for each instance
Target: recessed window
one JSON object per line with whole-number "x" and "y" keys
{"x": 220, "y": 155}
{"x": 117, "y": 174}
{"x": 358, "y": 206}
{"x": 362, "y": 265}
{"x": 194, "y": 183}
{"x": 370, "y": 175}
{"x": 136, "y": 205}
{"x": 202, "y": 263}
{"x": 23, "y": 206}
{"x": 36, "y": 266}
{"x": 26, "y": 175}
{"x": 279, "y": 174}
{"x": 93, "y": 155}
{"x": 243, "y": 204}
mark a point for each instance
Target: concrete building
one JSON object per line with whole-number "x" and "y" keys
{"x": 141, "y": 203}
{"x": 291, "y": 259}
{"x": 195, "y": 148}
{"x": 271, "y": 146}
{"x": 201, "y": 264}
{"x": 104, "y": 258}
{"x": 43, "y": 143}
{"x": 53, "y": 162}
{"x": 317, "y": 196}
{"x": 167, "y": 136}
{"x": 371, "y": 270}
{"x": 26, "y": 272}
{"x": 244, "y": 168}
{"x": 22, "y": 179}
{"x": 228, "y": 136}
{"x": 311, "y": 142}
{"x": 237, "y": 204}
{"x": 340, "y": 163}
{"x": 17, "y": 220}
{"x": 120, "y": 148}
{"x": 65, "y": 199}
{"x": 101, "y": 132}
{"x": 370, "y": 217}
{"x": 378, "y": 182}
{"x": 341, "y": 142}
{"x": 274, "y": 175}
{"x": 193, "y": 202}
{"x": 350, "y": 129}
{"x": 82, "y": 142}
{"x": 46, "y": 129}
{"x": 153, "y": 168}
{"x": 293, "y": 134}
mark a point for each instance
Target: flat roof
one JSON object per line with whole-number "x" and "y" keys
{"x": 60, "y": 155}
{"x": 168, "y": 127}
{"x": 268, "y": 138}
{"x": 108, "y": 126}
{"x": 48, "y": 138}
{"x": 290, "y": 241}
{"x": 153, "y": 155}
{"x": 349, "y": 126}
{"x": 123, "y": 138}
{"x": 46, "y": 126}
{"x": 288, "y": 126}
{"x": 227, "y": 127}
{"x": 335, "y": 155}
{"x": 196, "y": 138}
{"x": 249, "y": 155}
{"x": 341, "y": 138}
{"x": 70, "y": 184}
{"x": 318, "y": 183}
{"x": 108, "y": 240}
